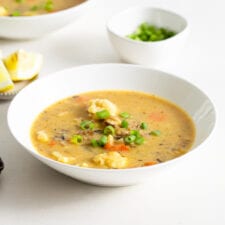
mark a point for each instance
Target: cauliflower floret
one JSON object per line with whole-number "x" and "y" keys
{"x": 64, "y": 159}
{"x": 42, "y": 136}
{"x": 111, "y": 160}
{"x": 110, "y": 139}
{"x": 97, "y": 105}
{"x": 3, "y": 11}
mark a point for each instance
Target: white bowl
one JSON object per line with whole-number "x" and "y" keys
{"x": 34, "y": 98}
{"x": 152, "y": 54}
{"x": 28, "y": 27}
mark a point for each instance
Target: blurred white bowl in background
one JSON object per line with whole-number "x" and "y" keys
{"x": 29, "y": 27}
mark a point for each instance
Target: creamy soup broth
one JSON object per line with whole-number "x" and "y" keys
{"x": 165, "y": 130}
{"x": 35, "y": 7}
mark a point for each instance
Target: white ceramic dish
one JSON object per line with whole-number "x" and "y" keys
{"x": 43, "y": 92}
{"x": 152, "y": 54}
{"x": 28, "y": 27}
{"x": 18, "y": 86}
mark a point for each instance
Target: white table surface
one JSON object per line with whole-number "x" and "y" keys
{"x": 193, "y": 194}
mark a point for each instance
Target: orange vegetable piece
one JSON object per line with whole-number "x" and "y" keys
{"x": 116, "y": 147}
{"x": 151, "y": 163}
{"x": 157, "y": 116}
{"x": 52, "y": 143}
{"x": 81, "y": 99}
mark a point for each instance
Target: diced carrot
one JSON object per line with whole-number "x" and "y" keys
{"x": 122, "y": 147}
{"x": 151, "y": 163}
{"x": 116, "y": 147}
{"x": 81, "y": 99}
{"x": 52, "y": 143}
{"x": 157, "y": 116}
{"x": 107, "y": 146}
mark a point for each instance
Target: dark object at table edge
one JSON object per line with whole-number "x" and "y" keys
{"x": 1, "y": 165}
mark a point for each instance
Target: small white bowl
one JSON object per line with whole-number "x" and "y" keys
{"x": 152, "y": 54}
{"x": 29, "y": 27}
{"x": 41, "y": 93}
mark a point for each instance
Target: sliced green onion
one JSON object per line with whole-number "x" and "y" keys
{"x": 34, "y": 8}
{"x": 109, "y": 130}
{"x": 134, "y": 137}
{"x": 129, "y": 139}
{"x": 136, "y": 133}
{"x": 48, "y": 5}
{"x": 76, "y": 139}
{"x": 155, "y": 133}
{"x": 94, "y": 143}
{"x": 102, "y": 115}
{"x": 125, "y": 115}
{"x": 144, "y": 126}
{"x": 19, "y": 1}
{"x": 87, "y": 125}
{"x": 16, "y": 13}
{"x": 124, "y": 124}
{"x": 139, "y": 140}
{"x": 147, "y": 32}
{"x": 102, "y": 141}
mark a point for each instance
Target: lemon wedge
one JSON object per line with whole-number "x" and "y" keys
{"x": 3, "y": 11}
{"x": 23, "y": 65}
{"x": 6, "y": 83}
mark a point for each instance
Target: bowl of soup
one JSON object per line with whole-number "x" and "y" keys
{"x": 19, "y": 18}
{"x": 111, "y": 124}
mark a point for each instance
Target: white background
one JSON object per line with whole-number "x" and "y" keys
{"x": 193, "y": 194}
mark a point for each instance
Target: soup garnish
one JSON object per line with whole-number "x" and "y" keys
{"x": 148, "y": 32}
{"x": 113, "y": 129}
{"x": 1, "y": 165}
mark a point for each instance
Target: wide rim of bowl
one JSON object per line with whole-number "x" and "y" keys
{"x": 37, "y": 155}
{"x": 124, "y": 38}
{"x": 86, "y": 3}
